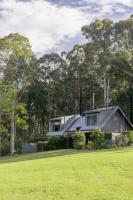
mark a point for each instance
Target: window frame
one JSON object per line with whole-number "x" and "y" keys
{"x": 53, "y": 123}
{"x": 91, "y": 115}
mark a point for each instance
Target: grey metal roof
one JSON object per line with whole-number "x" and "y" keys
{"x": 104, "y": 115}
{"x": 98, "y": 110}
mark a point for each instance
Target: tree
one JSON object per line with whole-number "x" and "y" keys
{"x": 123, "y": 60}
{"x": 15, "y": 58}
{"x": 37, "y": 105}
{"x": 52, "y": 71}
{"x": 85, "y": 75}
{"x": 100, "y": 35}
{"x": 112, "y": 44}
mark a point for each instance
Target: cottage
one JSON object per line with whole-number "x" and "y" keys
{"x": 111, "y": 119}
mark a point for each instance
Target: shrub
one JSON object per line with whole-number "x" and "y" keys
{"x": 79, "y": 140}
{"x": 130, "y": 136}
{"x": 125, "y": 138}
{"x": 57, "y": 142}
{"x": 90, "y": 145}
{"x": 4, "y": 148}
{"x": 98, "y": 138}
{"x": 119, "y": 141}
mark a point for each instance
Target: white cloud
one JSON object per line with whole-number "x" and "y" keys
{"x": 111, "y": 2}
{"x": 108, "y": 6}
{"x": 43, "y": 23}
{"x": 49, "y": 26}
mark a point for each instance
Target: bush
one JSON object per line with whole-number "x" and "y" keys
{"x": 4, "y": 148}
{"x": 122, "y": 140}
{"x": 79, "y": 140}
{"x": 125, "y": 138}
{"x": 119, "y": 141}
{"x": 57, "y": 142}
{"x": 130, "y": 136}
{"x": 90, "y": 145}
{"x": 98, "y": 138}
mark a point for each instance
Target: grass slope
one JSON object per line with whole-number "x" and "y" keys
{"x": 68, "y": 175}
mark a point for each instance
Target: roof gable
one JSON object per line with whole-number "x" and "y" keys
{"x": 116, "y": 109}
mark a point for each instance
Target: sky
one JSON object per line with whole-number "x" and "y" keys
{"x": 55, "y": 25}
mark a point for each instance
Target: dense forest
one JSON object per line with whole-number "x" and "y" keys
{"x": 98, "y": 73}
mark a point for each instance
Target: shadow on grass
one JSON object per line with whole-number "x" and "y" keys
{"x": 56, "y": 153}
{"x": 39, "y": 155}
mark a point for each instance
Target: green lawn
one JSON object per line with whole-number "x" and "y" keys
{"x": 68, "y": 175}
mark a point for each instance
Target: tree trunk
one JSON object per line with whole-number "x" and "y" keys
{"x": 93, "y": 100}
{"x": 105, "y": 91}
{"x": 131, "y": 100}
{"x": 80, "y": 102}
{"x": 12, "y": 134}
{"x": 108, "y": 92}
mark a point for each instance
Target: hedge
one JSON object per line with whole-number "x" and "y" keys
{"x": 130, "y": 135}
{"x": 4, "y": 148}
{"x": 54, "y": 143}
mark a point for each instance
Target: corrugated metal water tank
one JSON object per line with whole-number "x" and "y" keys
{"x": 29, "y": 147}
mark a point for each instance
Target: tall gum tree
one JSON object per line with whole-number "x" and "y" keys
{"x": 16, "y": 69}
{"x": 113, "y": 43}
{"x": 100, "y": 35}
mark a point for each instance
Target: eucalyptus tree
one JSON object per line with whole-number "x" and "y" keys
{"x": 6, "y": 98}
{"x": 113, "y": 44}
{"x": 15, "y": 59}
{"x": 123, "y": 59}
{"x": 52, "y": 71}
{"x": 75, "y": 59}
{"x": 100, "y": 36}
{"x": 36, "y": 99}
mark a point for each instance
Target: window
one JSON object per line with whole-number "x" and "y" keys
{"x": 91, "y": 120}
{"x": 56, "y": 125}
